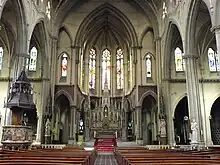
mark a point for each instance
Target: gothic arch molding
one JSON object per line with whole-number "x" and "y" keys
{"x": 63, "y": 92}
{"x": 191, "y": 21}
{"x": 177, "y": 102}
{"x": 147, "y": 29}
{"x": 148, "y": 93}
{"x": 66, "y": 30}
{"x": 167, "y": 48}
{"x": 106, "y": 8}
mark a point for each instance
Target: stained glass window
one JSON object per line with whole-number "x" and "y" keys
{"x": 148, "y": 65}
{"x": 106, "y": 57}
{"x": 92, "y": 68}
{"x": 1, "y": 57}
{"x": 64, "y": 65}
{"x": 32, "y": 61}
{"x": 214, "y": 64}
{"x": 119, "y": 67}
{"x": 180, "y": 65}
{"x": 48, "y": 10}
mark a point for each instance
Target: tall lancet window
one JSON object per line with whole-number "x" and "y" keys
{"x": 32, "y": 62}
{"x": 179, "y": 62}
{"x": 48, "y": 8}
{"x": 214, "y": 64}
{"x": 148, "y": 66}
{"x": 92, "y": 60}
{"x": 106, "y": 57}
{"x": 1, "y": 57}
{"x": 119, "y": 67}
{"x": 64, "y": 65}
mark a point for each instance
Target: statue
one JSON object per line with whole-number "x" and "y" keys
{"x": 47, "y": 127}
{"x": 194, "y": 130}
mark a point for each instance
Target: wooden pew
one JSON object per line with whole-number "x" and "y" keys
{"x": 69, "y": 155}
{"x": 141, "y": 156}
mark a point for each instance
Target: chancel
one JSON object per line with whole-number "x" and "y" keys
{"x": 131, "y": 81}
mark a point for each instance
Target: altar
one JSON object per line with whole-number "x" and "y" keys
{"x": 107, "y": 118}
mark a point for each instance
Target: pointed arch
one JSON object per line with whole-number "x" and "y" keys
{"x": 63, "y": 92}
{"x": 172, "y": 27}
{"x": 148, "y": 93}
{"x": 106, "y": 8}
{"x": 192, "y": 17}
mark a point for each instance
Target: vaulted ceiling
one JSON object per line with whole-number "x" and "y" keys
{"x": 149, "y": 7}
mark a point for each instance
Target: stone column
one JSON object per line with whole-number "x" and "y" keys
{"x": 39, "y": 126}
{"x": 139, "y": 138}
{"x": 76, "y": 62}
{"x": 192, "y": 84}
{"x": 52, "y": 66}
{"x": 169, "y": 117}
{"x": 71, "y": 133}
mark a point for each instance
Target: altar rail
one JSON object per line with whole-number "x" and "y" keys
{"x": 53, "y": 146}
{"x": 157, "y": 147}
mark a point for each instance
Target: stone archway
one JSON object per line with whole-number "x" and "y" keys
{"x": 181, "y": 122}
{"x": 215, "y": 122}
{"x": 149, "y": 120}
{"x": 62, "y": 120}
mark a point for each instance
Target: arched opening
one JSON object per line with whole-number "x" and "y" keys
{"x": 215, "y": 122}
{"x": 62, "y": 120}
{"x": 181, "y": 122}
{"x": 149, "y": 120}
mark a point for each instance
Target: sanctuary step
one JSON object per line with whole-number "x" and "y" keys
{"x": 105, "y": 144}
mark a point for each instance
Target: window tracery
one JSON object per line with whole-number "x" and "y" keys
{"x": 32, "y": 61}
{"x": 64, "y": 65}
{"x": 119, "y": 66}
{"x": 214, "y": 64}
{"x": 148, "y": 66}
{"x": 179, "y": 61}
{"x": 1, "y": 57}
{"x": 92, "y": 68}
{"x": 106, "y": 57}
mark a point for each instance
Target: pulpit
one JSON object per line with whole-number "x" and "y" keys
{"x": 19, "y": 134}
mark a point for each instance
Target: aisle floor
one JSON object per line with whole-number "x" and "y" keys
{"x": 105, "y": 159}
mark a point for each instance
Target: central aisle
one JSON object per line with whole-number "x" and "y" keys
{"x": 105, "y": 159}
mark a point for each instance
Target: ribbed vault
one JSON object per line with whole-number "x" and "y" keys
{"x": 107, "y": 25}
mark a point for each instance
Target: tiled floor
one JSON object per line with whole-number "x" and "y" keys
{"x": 105, "y": 159}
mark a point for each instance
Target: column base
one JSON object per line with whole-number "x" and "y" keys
{"x": 71, "y": 142}
{"x": 139, "y": 142}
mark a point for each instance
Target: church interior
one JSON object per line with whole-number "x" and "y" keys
{"x": 143, "y": 72}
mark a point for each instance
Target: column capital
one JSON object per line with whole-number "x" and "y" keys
{"x": 190, "y": 55}
{"x": 137, "y": 47}
{"x": 75, "y": 47}
{"x": 26, "y": 55}
{"x": 215, "y": 29}
{"x": 157, "y": 39}
{"x": 138, "y": 107}
{"x": 72, "y": 107}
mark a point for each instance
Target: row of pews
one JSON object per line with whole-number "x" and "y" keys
{"x": 143, "y": 156}
{"x": 68, "y": 155}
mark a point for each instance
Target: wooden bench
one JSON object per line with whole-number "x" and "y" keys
{"x": 69, "y": 155}
{"x": 142, "y": 156}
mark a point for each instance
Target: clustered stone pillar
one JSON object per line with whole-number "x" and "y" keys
{"x": 139, "y": 125}
{"x": 192, "y": 84}
{"x": 53, "y": 65}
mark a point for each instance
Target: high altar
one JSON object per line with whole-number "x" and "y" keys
{"x": 107, "y": 118}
